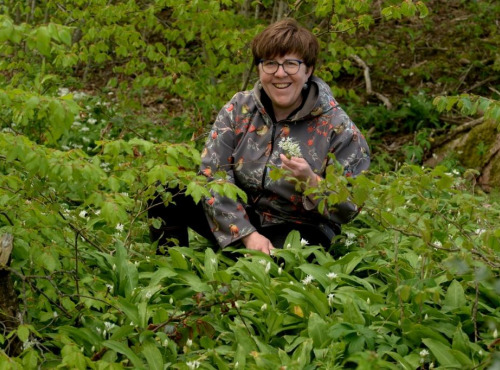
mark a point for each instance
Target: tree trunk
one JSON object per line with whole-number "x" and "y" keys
{"x": 9, "y": 306}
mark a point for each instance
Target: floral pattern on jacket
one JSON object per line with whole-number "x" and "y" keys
{"x": 243, "y": 143}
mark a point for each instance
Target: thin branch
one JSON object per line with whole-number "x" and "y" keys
{"x": 76, "y": 263}
{"x": 368, "y": 82}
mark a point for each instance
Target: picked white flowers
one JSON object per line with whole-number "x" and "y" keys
{"x": 290, "y": 148}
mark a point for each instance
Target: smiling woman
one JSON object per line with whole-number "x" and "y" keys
{"x": 287, "y": 108}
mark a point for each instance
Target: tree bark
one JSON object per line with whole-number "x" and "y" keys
{"x": 9, "y": 305}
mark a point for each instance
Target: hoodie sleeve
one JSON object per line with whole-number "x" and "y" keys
{"x": 227, "y": 218}
{"x": 351, "y": 151}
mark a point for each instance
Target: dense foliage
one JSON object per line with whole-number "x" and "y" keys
{"x": 98, "y": 102}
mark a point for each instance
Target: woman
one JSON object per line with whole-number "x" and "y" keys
{"x": 287, "y": 108}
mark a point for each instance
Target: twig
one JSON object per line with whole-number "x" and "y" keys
{"x": 457, "y": 130}
{"x": 247, "y": 79}
{"x": 76, "y": 263}
{"x": 474, "y": 312}
{"x": 481, "y": 83}
{"x": 398, "y": 280}
{"x": 368, "y": 82}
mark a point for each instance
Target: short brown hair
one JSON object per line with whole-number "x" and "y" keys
{"x": 283, "y": 37}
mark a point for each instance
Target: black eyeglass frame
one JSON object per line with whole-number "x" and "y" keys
{"x": 261, "y": 61}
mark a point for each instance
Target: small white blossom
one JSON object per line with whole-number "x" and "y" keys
{"x": 91, "y": 121}
{"x": 331, "y": 275}
{"x": 171, "y": 300}
{"x": 455, "y": 172}
{"x": 350, "y": 235}
{"x": 149, "y": 295}
{"x": 268, "y": 267}
{"x": 54, "y": 314}
{"x": 437, "y": 244}
{"x": 303, "y": 242}
{"x": 424, "y": 353}
{"x": 290, "y": 147}
{"x": 307, "y": 280}
{"x": 495, "y": 334}
{"x": 479, "y": 231}
{"x": 426, "y": 317}
{"x": 288, "y": 246}
{"x": 98, "y": 212}
{"x": 83, "y": 214}
{"x": 330, "y": 299}
{"x": 92, "y": 349}
{"x": 193, "y": 364}
{"x": 28, "y": 344}
{"x": 189, "y": 342}
{"x": 110, "y": 287}
{"x": 84, "y": 129}
{"x": 109, "y": 325}
{"x": 263, "y": 307}
{"x": 62, "y": 91}
{"x": 280, "y": 270}
{"x": 119, "y": 227}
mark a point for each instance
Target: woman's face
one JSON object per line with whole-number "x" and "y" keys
{"x": 283, "y": 89}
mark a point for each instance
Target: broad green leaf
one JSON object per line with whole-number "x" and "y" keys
{"x": 352, "y": 314}
{"x": 193, "y": 281}
{"x": 210, "y": 263}
{"x": 123, "y": 349}
{"x": 178, "y": 259}
{"x": 152, "y": 354}
{"x": 442, "y": 352}
{"x": 317, "y": 328}
{"x": 23, "y": 332}
{"x": 455, "y": 297}
{"x": 400, "y": 360}
{"x": 42, "y": 39}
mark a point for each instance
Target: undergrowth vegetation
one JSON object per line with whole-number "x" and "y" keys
{"x": 101, "y": 101}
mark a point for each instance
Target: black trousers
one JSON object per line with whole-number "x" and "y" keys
{"x": 183, "y": 213}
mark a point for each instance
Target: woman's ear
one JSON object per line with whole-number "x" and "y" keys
{"x": 309, "y": 72}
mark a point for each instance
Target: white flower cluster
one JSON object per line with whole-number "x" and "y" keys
{"x": 290, "y": 148}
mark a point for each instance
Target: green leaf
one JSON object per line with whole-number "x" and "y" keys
{"x": 178, "y": 259}
{"x": 210, "y": 263}
{"x": 42, "y": 39}
{"x": 23, "y": 332}
{"x": 455, "y": 297}
{"x": 352, "y": 314}
{"x": 422, "y": 9}
{"x": 152, "y": 354}
{"x": 317, "y": 329}
{"x": 442, "y": 353}
{"x": 124, "y": 350}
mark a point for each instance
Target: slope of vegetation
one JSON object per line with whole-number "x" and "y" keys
{"x": 102, "y": 100}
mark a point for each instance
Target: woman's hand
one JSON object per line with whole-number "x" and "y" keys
{"x": 300, "y": 169}
{"x": 257, "y": 242}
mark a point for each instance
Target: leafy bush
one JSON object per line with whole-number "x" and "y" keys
{"x": 77, "y": 171}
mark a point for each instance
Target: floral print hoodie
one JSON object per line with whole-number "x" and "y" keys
{"x": 244, "y": 142}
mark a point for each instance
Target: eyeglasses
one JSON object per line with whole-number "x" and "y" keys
{"x": 290, "y": 66}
